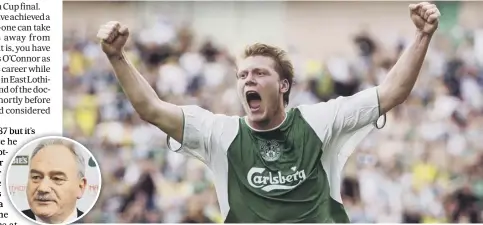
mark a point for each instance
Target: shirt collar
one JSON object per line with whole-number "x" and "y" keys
{"x": 72, "y": 217}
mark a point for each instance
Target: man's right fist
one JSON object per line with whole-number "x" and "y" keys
{"x": 113, "y": 37}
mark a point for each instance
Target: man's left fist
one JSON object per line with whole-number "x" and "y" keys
{"x": 425, "y": 16}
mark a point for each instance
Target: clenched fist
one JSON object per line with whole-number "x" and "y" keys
{"x": 113, "y": 37}
{"x": 425, "y": 16}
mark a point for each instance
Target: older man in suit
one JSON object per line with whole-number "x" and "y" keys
{"x": 56, "y": 180}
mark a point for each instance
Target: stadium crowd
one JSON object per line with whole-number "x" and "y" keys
{"x": 424, "y": 166}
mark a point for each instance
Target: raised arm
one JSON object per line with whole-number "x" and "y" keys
{"x": 166, "y": 116}
{"x": 343, "y": 122}
{"x": 401, "y": 79}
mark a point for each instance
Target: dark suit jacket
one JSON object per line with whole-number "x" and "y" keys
{"x": 31, "y": 214}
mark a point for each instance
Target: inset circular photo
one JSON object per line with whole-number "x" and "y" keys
{"x": 53, "y": 180}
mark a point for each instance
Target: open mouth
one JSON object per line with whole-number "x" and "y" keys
{"x": 253, "y": 99}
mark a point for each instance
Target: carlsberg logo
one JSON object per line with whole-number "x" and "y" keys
{"x": 274, "y": 181}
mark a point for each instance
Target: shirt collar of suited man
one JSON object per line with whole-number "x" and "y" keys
{"x": 70, "y": 219}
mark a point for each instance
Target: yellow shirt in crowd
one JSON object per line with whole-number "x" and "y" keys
{"x": 86, "y": 113}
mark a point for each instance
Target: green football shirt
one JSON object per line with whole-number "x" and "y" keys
{"x": 288, "y": 174}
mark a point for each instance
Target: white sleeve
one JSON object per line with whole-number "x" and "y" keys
{"x": 343, "y": 122}
{"x": 204, "y": 133}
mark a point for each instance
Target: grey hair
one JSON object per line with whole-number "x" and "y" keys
{"x": 81, "y": 163}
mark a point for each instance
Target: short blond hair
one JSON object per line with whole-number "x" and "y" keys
{"x": 283, "y": 65}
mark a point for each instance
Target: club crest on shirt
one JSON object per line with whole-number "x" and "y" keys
{"x": 269, "y": 150}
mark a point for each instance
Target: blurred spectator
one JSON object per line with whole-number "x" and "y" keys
{"x": 195, "y": 212}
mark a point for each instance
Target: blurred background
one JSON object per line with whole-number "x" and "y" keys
{"x": 424, "y": 166}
